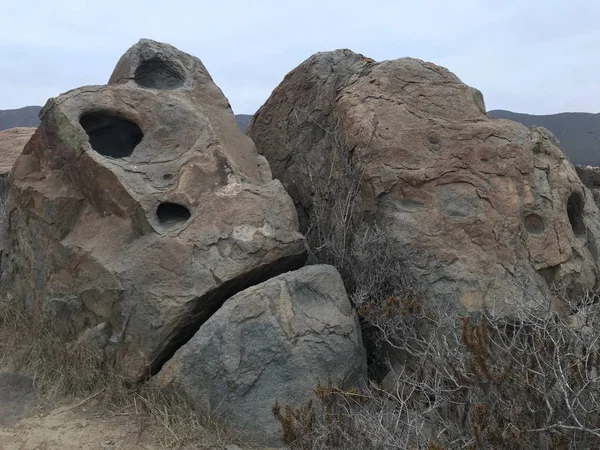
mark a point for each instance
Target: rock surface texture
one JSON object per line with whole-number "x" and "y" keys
{"x": 138, "y": 208}
{"x": 590, "y": 176}
{"x": 494, "y": 211}
{"x": 271, "y": 343}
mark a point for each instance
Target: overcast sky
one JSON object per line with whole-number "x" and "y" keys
{"x": 534, "y": 56}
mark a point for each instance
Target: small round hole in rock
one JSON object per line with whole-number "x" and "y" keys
{"x": 534, "y": 224}
{"x": 575, "y": 213}
{"x": 172, "y": 213}
{"x": 111, "y": 135}
{"x": 156, "y": 73}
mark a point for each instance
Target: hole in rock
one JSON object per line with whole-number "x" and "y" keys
{"x": 172, "y": 213}
{"x": 167, "y": 176}
{"x": 575, "y": 213}
{"x": 534, "y": 224}
{"x": 111, "y": 135}
{"x": 157, "y": 73}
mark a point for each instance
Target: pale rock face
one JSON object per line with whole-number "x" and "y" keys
{"x": 494, "y": 211}
{"x": 137, "y": 208}
{"x": 273, "y": 342}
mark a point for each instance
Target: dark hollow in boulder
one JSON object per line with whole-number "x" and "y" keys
{"x": 111, "y": 135}
{"x": 534, "y": 224}
{"x": 156, "y": 73}
{"x": 172, "y": 213}
{"x": 575, "y": 213}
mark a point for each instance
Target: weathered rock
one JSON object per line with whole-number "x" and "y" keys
{"x": 494, "y": 210}
{"x": 138, "y": 207}
{"x": 590, "y": 176}
{"x": 273, "y": 342}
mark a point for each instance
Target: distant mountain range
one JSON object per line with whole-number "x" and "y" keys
{"x": 579, "y": 133}
{"x": 243, "y": 120}
{"x": 22, "y": 117}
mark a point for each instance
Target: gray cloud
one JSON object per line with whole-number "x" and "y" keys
{"x": 534, "y": 56}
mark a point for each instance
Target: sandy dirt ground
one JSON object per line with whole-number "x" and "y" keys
{"x": 70, "y": 427}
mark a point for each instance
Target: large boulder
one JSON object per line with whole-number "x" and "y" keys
{"x": 137, "y": 208}
{"x": 493, "y": 211}
{"x": 273, "y": 342}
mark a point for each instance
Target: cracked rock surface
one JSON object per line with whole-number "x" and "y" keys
{"x": 137, "y": 208}
{"x": 493, "y": 211}
{"x": 272, "y": 342}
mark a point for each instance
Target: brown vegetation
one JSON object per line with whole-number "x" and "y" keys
{"x": 62, "y": 371}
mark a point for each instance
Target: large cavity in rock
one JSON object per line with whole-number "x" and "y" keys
{"x": 157, "y": 73}
{"x": 111, "y": 135}
{"x": 575, "y": 213}
{"x": 170, "y": 214}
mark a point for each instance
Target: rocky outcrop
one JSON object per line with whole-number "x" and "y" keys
{"x": 590, "y": 177}
{"x": 273, "y": 342}
{"x": 138, "y": 208}
{"x": 494, "y": 211}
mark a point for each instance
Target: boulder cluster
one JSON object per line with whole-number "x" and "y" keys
{"x": 138, "y": 221}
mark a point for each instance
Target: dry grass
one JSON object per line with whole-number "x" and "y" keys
{"x": 69, "y": 371}
{"x": 485, "y": 383}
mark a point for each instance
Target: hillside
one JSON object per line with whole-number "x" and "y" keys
{"x": 22, "y": 117}
{"x": 579, "y": 133}
{"x": 243, "y": 120}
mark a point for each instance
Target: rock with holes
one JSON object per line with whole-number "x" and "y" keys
{"x": 138, "y": 207}
{"x": 274, "y": 342}
{"x": 493, "y": 211}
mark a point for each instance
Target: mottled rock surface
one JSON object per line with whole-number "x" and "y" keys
{"x": 273, "y": 342}
{"x": 493, "y": 210}
{"x": 138, "y": 207}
